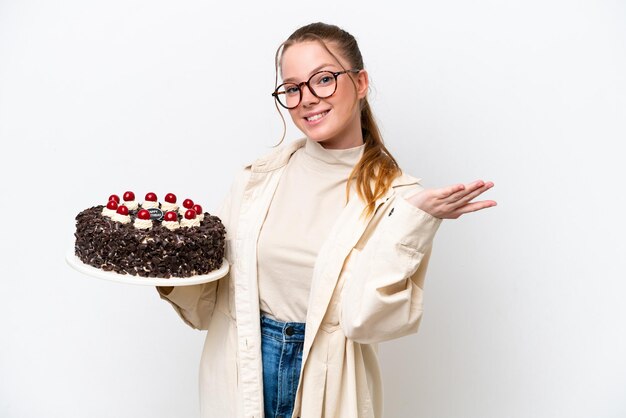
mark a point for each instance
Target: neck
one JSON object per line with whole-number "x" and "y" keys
{"x": 343, "y": 144}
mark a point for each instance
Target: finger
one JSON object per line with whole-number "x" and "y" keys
{"x": 476, "y": 192}
{"x": 469, "y": 188}
{"x": 473, "y": 207}
{"x": 446, "y": 192}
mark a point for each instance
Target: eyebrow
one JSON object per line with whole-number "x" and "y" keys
{"x": 291, "y": 79}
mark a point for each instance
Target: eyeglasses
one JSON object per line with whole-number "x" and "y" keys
{"x": 322, "y": 85}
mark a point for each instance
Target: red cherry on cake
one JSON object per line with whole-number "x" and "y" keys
{"x": 198, "y": 209}
{"x": 171, "y": 216}
{"x": 122, "y": 210}
{"x": 151, "y": 197}
{"x": 190, "y": 214}
{"x": 188, "y": 203}
{"x": 129, "y": 196}
{"x": 114, "y": 197}
{"x": 143, "y": 214}
{"x": 170, "y": 198}
{"x": 112, "y": 205}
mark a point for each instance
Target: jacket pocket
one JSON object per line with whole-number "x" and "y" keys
{"x": 331, "y": 321}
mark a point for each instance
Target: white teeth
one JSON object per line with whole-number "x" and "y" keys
{"x": 316, "y": 117}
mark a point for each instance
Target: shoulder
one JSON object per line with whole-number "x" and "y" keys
{"x": 276, "y": 158}
{"x": 406, "y": 184}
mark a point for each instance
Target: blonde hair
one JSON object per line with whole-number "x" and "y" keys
{"x": 377, "y": 168}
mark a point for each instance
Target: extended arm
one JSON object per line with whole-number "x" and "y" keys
{"x": 382, "y": 299}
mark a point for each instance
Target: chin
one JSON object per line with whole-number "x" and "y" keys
{"x": 317, "y": 136}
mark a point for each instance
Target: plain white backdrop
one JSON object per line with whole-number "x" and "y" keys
{"x": 524, "y": 313}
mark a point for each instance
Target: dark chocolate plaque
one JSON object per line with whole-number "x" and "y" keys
{"x": 156, "y": 214}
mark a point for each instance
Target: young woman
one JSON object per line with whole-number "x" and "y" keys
{"x": 328, "y": 243}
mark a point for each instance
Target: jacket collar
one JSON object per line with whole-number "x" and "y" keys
{"x": 277, "y": 158}
{"x": 280, "y": 157}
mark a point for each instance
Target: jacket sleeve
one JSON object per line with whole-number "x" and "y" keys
{"x": 382, "y": 299}
{"x": 195, "y": 303}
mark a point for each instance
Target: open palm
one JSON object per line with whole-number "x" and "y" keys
{"x": 452, "y": 201}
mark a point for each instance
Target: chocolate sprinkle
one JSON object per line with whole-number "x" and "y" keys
{"x": 155, "y": 252}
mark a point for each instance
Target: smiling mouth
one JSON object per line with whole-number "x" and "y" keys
{"x": 317, "y": 117}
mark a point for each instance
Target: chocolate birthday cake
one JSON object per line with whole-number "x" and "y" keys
{"x": 150, "y": 239}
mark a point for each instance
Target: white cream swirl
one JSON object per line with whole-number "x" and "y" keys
{"x": 169, "y": 207}
{"x": 131, "y": 204}
{"x": 149, "y": 204}
{"x": 108, "y": 212}
{"x": 171, "y": 225}
{"x": 123, "y": 219}
{"x": 200, "y": 217}
{"x": 143, "y": 223}
{"x": 188, "y": 223}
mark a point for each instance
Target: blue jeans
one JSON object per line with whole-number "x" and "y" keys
{"x": 281, "y": 346}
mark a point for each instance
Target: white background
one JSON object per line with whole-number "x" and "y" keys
{"x": 524, "y": 313}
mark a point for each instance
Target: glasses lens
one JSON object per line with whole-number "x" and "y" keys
{"x": 324, "y": 84}
{"x": 288, "y": 95}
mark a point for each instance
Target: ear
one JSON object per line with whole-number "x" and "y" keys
{"x": 362, "y": 84}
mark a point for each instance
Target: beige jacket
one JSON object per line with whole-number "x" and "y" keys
{"x": 366, "y": 288}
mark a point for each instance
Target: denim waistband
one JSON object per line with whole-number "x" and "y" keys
{"x": 282, "y": 331}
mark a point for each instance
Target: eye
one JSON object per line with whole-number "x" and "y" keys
{"x": 325, "y": 79}
{"x": 291, "y": 90}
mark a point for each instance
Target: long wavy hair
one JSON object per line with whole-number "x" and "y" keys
{"x": 377, "y": 168}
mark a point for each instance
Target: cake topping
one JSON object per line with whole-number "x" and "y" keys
{"x": 171, "y": 221}
{"x": 171, "y": 225}
{"x": 171, "y": 216}
{"x": 129, "y": 200}
{"x": 110, "y": 209}
{"x": 190, "y": 219}
{"x": 150, "y": 201}
{"x": 187, "y": 204}
{"x": 121, "y": 215}
{"x": 156, "y": 214}
{"x": 199, "y": 212}
{"x": 143, "y": 220}
{"x": 190, "y": 214}
{"x": 170, "y": 203}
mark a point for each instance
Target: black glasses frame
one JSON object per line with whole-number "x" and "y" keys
{"x": 335, "y": 74}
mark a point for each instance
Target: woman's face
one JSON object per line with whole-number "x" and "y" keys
{"x": 340, "y": 124}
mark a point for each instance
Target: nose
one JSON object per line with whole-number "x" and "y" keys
{"x": 308, "y": 98}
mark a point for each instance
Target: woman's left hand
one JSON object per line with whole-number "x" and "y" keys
{"x": 452, "y": 201}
